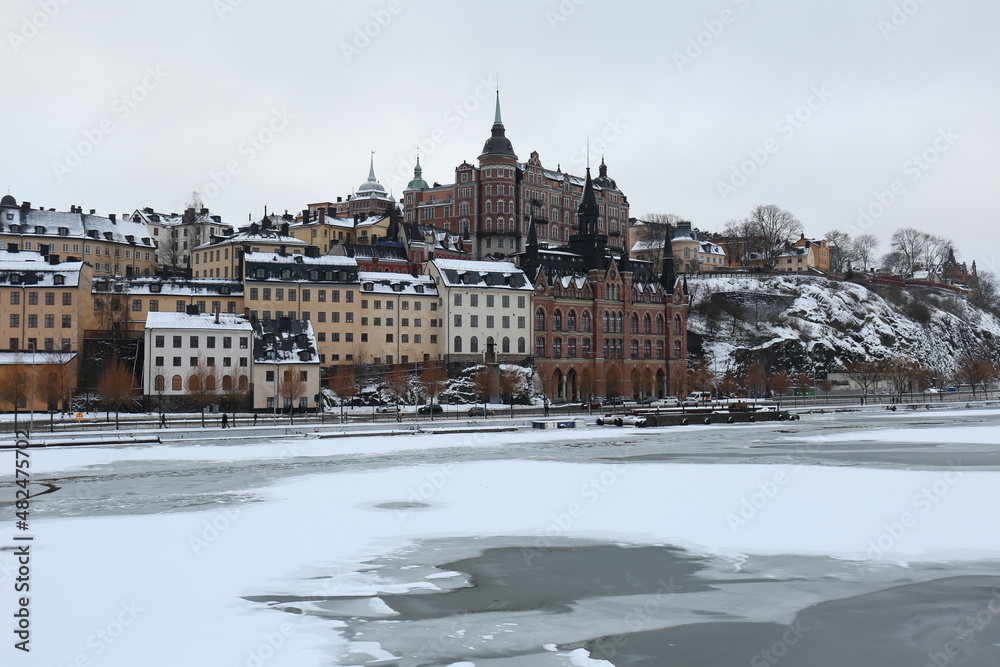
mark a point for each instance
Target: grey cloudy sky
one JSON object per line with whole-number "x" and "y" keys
{"x": 826, "y": 108}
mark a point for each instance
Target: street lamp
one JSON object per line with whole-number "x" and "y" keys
{"x": 31, "y": 423}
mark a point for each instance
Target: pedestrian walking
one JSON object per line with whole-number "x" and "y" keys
{"x": 399, "y": 416}
{"x": 163, "y": 420}
{"x": 225, "y": 420}
{"x": 255, "y": 419}
{"x": 545, "y": 407}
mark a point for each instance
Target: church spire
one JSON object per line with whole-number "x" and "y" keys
{"x": 588, "y": 212}
{"x": 496, "y": 119}
{"x": 498, "y": 144}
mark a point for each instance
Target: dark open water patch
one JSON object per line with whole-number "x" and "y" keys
{"x": 953, "y": 621}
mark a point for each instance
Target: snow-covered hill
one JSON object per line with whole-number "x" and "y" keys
{"x": 804, "y": 323}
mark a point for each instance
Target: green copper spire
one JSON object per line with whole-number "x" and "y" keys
{"x": 497, "y": 120}
{"x": 418, "y": 182}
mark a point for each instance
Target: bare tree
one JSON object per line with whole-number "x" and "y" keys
{"x": 482, "y": 381}
{"x": 236, "y": 389}
{"x": 780, "y": 384}
{"x": 756, "y": 380}
{"x": 14, "y": 386}
{"x": 842, "y": 251}
{"x": 203, "y": 386}
{"x": 58, "y": 381}
{"x": 700, "y": 376}
{"x": 291, "y": 388}
{"x": 434, "y": 380}
{"x": 911, "y": 245}
{"x": 775, "y": 227}
{"x": 973, "y": 369}
{"x": 344, "y": 384}
{"x": 510, "y": 383}
{"x": 112, "y": 306}
{"x": 398, "y": 386}
{"x": 864, "y": 247}
{"x": 729, "y": 385}
{"x": 117, "y": 387}
{"x": 655, "y": 229}
{"x": 169, "y": 253}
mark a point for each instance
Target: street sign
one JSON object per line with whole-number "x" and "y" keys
{"x": 79, "y": 416}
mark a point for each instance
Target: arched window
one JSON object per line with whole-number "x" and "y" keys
{"x": 194, "y": 383}
{"x": 571, "y": 321}
{"x": 635, "y": 349}
{"x": 210, "y": 383}
{"x": 473, "y": 344}
{"x": 244, "y": 383}
{"x": 539, "y": 320}
{"x": 489, "y": 207}
{"x": 557, "y": 348}
{"x": 606, "y": 321}
{"x": 540, "y": 347}
{"x": 647, "y": 324}
{"x": 158, "y": 383}
{"x": 521, "y": 345}
{"x": 585, "y": 320}
{"x": 175, "y": 383}
{"x": 227, "y": 383}
{"x": 647, "y": 349}
{"x": 659, "y": 349}
{"x": 635, "y": 323}
{"x": 557, "y": 320}
{"x": 677, "y": 349}
{"x": 619, "y": 324}
{"x": 505, "y": 345}
{"x": 571, "y": 348}
{"x": 677, "y": 325}
{"x": 585, "y": 348}
{"x": 659, "y": 324}
{"x": 458, "y": 344}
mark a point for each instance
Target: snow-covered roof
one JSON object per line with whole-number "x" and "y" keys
{"x": 644, "y": 246}
{"x": 36, "y": 358}
{"x": 322, "y": 260}
{"x": 36, "y": 222}
{"x": 397, "y": 283}
{"x": 31, "y": 268}
{"x": 469, "y": 273}
{"x": 206, "y": 321}
{"x": 284, "y": 340}
{"x": 263, "y": 236}
{"x": 143, "y": 286}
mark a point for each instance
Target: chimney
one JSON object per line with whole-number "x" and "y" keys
{"x": 285, "y": 324}
{"x": 111, "y": 217}
{"x": 26, "y": 206}
{"x": 192, "y": 309}
{"x": 53, "y": 260}
{"x": 12, "y": 247}
{"x": 281, "y": 250}
{"x": 305, "y": 215}
{"x": 246, "y": 312}
{"x": 216, "y": 315}
{"x": 93, "y": 211}
{"x": 284, "y": 229}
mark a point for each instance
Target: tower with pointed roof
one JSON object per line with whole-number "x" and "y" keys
{"x": 370, "y": 198}
{"x": 418, "y": 182}
{"x": 500, "y": 232}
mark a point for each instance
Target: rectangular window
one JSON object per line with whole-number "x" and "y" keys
{"x": 210, "y": 341}
{"x": 15, "y": 321}
{"x": 176, "y": 361}
{"x": 194, "y": 342}
{"x": 474, "y": 321}
{"x": 520, "y": 322}
{"x": 416, "y": 305}
{"x": 348, "y": 337}
{"x": 458, "y": 320}
{"x": 159, "y": 361}
{"x": 33, "y": 321}
{"x": 416, "y": 338}
{"x": 490, "y": 301}
{"x": 227, "y": 361}
{"x": 505, "y": 301}
{"x": 349, "y": 297}
{"x": 136, "y": 305}
{"x": 194, "y": 361}
{"x": 180, "y": 306}
{"x": 321, "y": 295}
{"x": 243, "y": 362}
{"x": 404, "y": 338}
{"x": 254, "y": 293}
{"x": 458, "y": 299}
{"x": 321, "y": 316}
{"x": 292, "y": 295}
{"x": 348, "y": 318}
{"x": 50, "y": 321}
{"x": 267, "y": 294}
{"x": 364, "y": 303}
{"x": 335, "y": 337}
{"x": 50, "y": 298}
{"x": 334, "y": 295}
{"x": 227, "y": 342}
{"x": 279, "y": 294}
{"x": 244, "y": 341}
{"x": 32, "y": 298}
{"x": 177, "y": 341}
{"x": 364, "y": 321}
{"x": 15, "y": 298}
{"x": 67, "y": 299}
{"x": 505, "y": 322}
{"x": 378, "y": 304}
{"x": 67, "y": 321}
{"x": 306, "y": 295}
{"x": 490, "y": 321}
{"x": 388, "y": 338}
{"x": 159, "y": 341}
{"x": 154, "y": 305}
{"x": 364, "y": 339}
{"x": 520, "y": 302}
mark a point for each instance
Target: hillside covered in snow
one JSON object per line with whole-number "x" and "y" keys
{"x": 813, "y": 325}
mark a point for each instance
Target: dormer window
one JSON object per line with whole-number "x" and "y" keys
{"x": 39, "y": 229}
{"x": 109, "y": 236}
{"x": 64, "y": 231}
{"x": 260, "y": 274}
{"x": 224, "y": 289}
{"x": 58, "y": 279}
{"x": 155, "y": 288}
{"x": 419, "y": 289}
{"x": 15, "y": 279}
{"x": 368, "y": 287}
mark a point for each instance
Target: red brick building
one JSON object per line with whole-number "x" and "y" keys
{"x": 496, "y": 201}
{"x": 604, "y": 325}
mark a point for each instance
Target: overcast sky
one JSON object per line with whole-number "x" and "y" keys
{"x": 700, "y": 109}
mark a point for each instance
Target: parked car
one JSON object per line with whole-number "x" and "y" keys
{"x": 690, "y": 402}
{"x": 666, "y": 402}
{"x": 385, "y": 408}
{"x": 433, "y": 409}
{"x": 615, "y": 400}
{"x": 591, "y": 405}
{"x": 702, "y": 396}
{"x": 649, "y": 400}
{"x": 480, "y": 412}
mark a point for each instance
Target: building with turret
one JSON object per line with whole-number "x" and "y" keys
{"x": 495, "y": 201}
